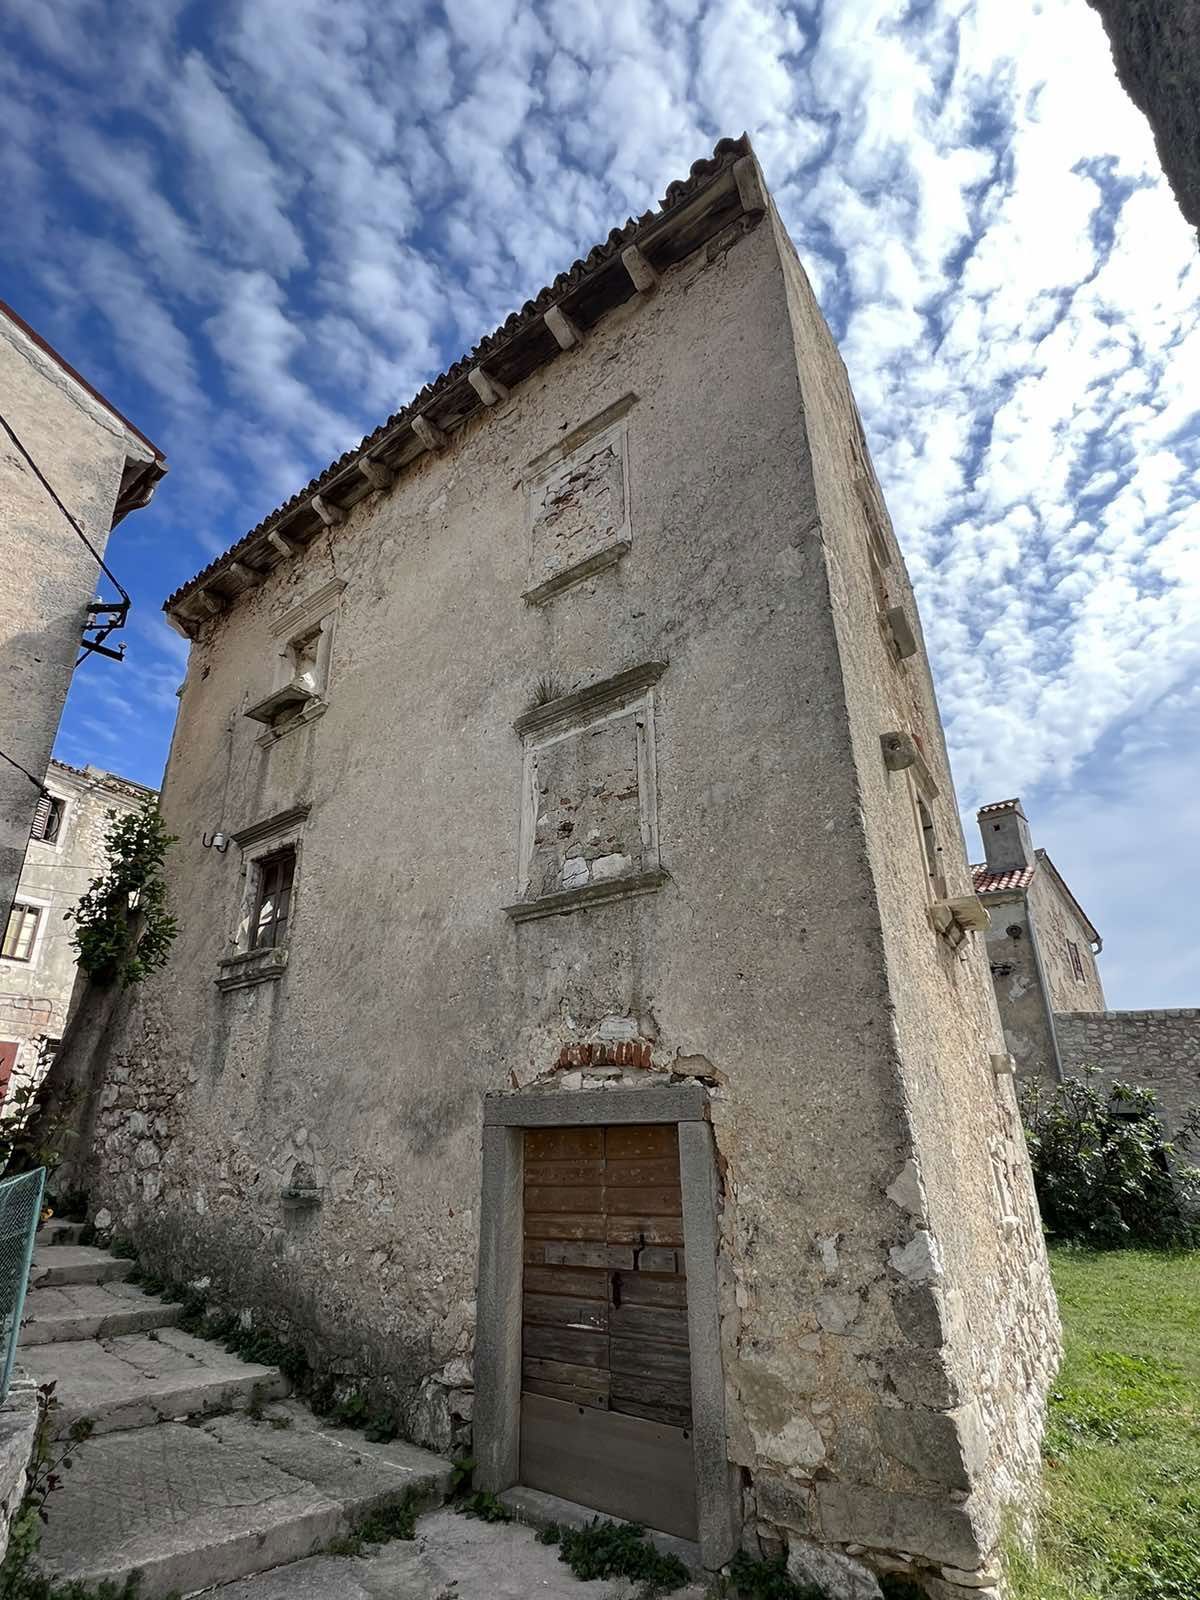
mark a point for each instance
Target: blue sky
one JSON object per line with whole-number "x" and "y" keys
{"x": 260, "y": 226}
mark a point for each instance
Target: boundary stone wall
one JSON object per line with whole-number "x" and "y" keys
{"x": 1157, "y": 1050}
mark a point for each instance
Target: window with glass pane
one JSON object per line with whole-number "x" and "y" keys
{"x": 275, "y": 874}
{"x": 21, "y": 931}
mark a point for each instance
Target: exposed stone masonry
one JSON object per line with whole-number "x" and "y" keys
{"x": 1158, "y": 1050}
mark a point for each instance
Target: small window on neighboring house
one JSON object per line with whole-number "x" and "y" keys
{"x": 273, "y": 901}
{"x": 21, "y": 932}
{"x": 1076, "y": 962}
{"x": 47, "y": 819}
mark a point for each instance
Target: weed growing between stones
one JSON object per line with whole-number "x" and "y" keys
{"x": 768, "y": 1580}
{"x": 483, "y": 1505}
{"x": 380, "y": 1526}
{"x": 616, "y": 1550}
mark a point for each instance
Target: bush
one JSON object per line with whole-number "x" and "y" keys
{"x": 1106, "y": 1175}
{"x": 123, "y": 930}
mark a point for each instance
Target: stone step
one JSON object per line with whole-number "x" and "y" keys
{"x": 58, "y": 1232}
{"x": 92, "y": 1311}
{"x": 75, "y": 1263}
{"x": 190, "y": 1507}
{"x": 137, "y": 1379}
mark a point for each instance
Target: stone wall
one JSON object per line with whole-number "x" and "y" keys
{"x": 48, "y": 576}
{"x": 1156, "y": 48}
{"x": 35, "y": 996}
{"x": 19, "y": 1418}
{"x": 886, "y": 1320}
{"x": 1157, "y": 1050}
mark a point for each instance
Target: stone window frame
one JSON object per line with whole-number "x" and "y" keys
{"x": 626, "y": 694}
{"x": 305, "y": 692}
{"x": 31, "y": 902}
{"x": 1075, "y": 961}
{"x": 610, "y": 424}
{"x": 259, "y": 843}
{"x": 51, "y": 798}
{"x": 497, "y": 1416}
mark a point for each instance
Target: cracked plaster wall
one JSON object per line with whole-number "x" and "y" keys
{"x": 760, "y": 967}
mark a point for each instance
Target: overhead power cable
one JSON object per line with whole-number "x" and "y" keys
{"x": 50, "y": 490}
{"x": 116, "y": 613}
{"x": 36, "y": 782}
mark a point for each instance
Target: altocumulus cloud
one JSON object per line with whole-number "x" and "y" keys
{"x": 262, "y": 225}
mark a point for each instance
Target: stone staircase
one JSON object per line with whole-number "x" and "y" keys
{"x": 200, "y": 1469}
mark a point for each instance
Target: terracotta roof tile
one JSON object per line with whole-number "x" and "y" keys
{"x": 988, "y": 882}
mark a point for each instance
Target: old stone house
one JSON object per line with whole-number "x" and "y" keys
{"x": 579, "y": 1032}
{"x": 37, "y": 959}
{"x": 59, "y": 437}
{"x": 1043, "y": 949}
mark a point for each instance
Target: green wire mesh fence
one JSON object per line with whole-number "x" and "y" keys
{"x": 20, "y": 1211}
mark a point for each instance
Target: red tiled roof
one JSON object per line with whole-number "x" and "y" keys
{"x": 988, "y": 882}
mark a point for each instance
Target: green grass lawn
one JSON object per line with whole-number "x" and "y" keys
{"x": 1121, "y": 1514}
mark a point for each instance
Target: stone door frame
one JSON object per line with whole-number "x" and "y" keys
{"x": 497, "y": 1418}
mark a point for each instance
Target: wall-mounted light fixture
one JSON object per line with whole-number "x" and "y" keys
{"x": 215, "y": 841}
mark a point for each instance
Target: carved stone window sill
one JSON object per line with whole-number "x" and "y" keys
{"x": 591, "y": 894}
{"x": 311, "y": 712}
{"x": 570, "y": 576}
{"x": 955, "y": 919}
{"x": 252, "y": 966}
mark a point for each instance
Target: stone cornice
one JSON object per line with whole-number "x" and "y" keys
{"x": 570, "y": 710}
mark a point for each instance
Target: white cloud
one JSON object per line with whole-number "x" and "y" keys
{"x": 302, "y": 222}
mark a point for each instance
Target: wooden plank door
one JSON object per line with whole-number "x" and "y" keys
{"x": 606, "y": 1412}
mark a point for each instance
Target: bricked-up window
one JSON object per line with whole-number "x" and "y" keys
{"x": 1076, "y": 962}
{"x": 47, "y": 819}
{"x": 21, "y": 932}
{"x": 274, "y": 899}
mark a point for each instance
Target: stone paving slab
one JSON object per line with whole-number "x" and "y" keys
{"x": 453, "y": 1557}
{"x": 57, "y": 1232}
{"x": 141, "y": 1378}
{"x": 92, "y": 1311}
{"x": 187, "y": 1506}
{"x": 75, "y": 1263}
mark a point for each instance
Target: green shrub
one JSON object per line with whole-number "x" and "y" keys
{"x": 1106, "y": 1176}
{"x": 616, "y": 1550}
{"x": 123, "y": 930}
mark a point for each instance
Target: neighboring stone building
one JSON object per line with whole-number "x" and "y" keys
{"x": 573, "y": 899}
{"x": 1042, "y": 948}
{"x": 1156, "y": 50}
{"x": 101, "y": 468}
{"x": 1041, "y": 945}
{"x": 37, "y": 958}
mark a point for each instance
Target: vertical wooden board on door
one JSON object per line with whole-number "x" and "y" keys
{"x": 605, "y": 1323}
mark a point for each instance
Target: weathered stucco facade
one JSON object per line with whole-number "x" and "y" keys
{"x": 64, "y": 855}
{"x": 101, "y": 468}
{"x": 599, "y": 737}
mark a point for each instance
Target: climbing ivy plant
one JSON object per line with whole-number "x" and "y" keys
{"x": 123, "y": 929}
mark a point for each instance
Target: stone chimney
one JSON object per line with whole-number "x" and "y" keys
{"x": 1007, "y": 841}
